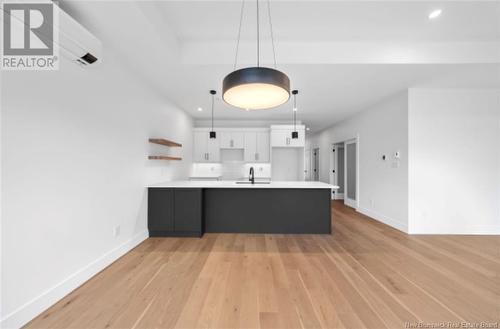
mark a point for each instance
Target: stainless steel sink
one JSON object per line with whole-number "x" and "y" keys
{"x": 250, "y": 183}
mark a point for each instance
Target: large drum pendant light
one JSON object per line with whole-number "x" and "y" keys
{"x": 256, "y": 88}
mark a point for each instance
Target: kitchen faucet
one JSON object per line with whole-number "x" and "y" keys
{"x": 251, "y": 176}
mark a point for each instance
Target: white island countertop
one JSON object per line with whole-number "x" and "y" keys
{"x": 234, "y": 184}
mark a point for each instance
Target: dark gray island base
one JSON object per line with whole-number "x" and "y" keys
{"x": 288, "y": 211}
{"x": 178, "y": 211}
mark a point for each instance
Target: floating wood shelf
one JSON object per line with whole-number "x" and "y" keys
{"x": 163, "y": 157}
{"x": 164, "y": 142}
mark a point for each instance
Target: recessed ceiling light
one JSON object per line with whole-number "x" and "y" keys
{"x": 435, "y": 14}
{"x": 200, "y": 109}
{"x": 308, "y": 128}
{"x": 295, "y": 109}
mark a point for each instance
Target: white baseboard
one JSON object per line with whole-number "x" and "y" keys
{"x": 384, "y": 219}
{"x": 476, "y": 230}
{"x": 37, "y": 305}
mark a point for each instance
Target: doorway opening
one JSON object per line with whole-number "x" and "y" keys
{"x": 344, "y": 171}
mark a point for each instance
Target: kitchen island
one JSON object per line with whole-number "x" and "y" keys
{"x": 191, "y": 208}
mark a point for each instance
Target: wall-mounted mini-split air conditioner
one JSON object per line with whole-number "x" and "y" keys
{"x": 75, "y": 42}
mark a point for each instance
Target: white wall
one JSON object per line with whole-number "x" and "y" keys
{"x": 382, "y": 129}
{"x": 454, "y": 174}
{"x": 74, "y": 150}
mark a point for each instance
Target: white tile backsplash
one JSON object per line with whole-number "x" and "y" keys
{"x": 231, "y": 170}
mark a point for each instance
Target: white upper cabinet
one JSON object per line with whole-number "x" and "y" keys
{"x": 232, "y": 139}
{"x": 250, "y": 154}
{"x": 205, "y": 149}
{"x": 263, "y": 146}
{"x": 200, "y": 146}
{"x": 255, "y": 143}
{"x": 281, "y": 136}
{"x": 257, "y": 146}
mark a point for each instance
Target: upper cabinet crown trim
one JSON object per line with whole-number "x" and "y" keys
{"x": 242, "y": 129}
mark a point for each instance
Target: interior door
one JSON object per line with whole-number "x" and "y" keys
{"x": 340, "y": 172}
{"x": 316, "y": 164}
{"x": 350, "y": 181}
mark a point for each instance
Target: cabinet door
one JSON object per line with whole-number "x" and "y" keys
{"x": 160, "y": 209}
{"x": 213, "y": 149}
{"x": 232, "y": 140}
{"x": 250, "y": 149}
{"x": 280, "y": 138}
{"x": 262, "y": 147}
{"x": 225, "y": 139}
{"x": 237, "y": 140}
{"x": 187, "y": 208}
{"x": 200, "y": 152}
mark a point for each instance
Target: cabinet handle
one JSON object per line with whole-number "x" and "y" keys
{"x": 208, "y": 156}
{"x": 256, "y": 156}
{"x": 232, "y": 143}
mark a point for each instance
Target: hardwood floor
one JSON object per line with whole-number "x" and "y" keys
{"x": 364, "y": 275}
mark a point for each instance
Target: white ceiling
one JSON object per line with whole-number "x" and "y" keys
{"x": 339, "y": 54}
{"x": 335, "y": 20}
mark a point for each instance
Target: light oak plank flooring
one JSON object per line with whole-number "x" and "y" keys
{"x": 365, "y": 275}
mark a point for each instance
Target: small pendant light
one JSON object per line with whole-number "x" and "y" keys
{"x": 212, "y": 132}
{"x": 295, "y": 133}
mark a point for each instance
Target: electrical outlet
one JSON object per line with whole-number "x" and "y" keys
{"x": 116, "y": 231}
{"x": 372, "y": 202}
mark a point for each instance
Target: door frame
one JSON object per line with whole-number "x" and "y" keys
{"x": 334, "y": 169}
{"x": 313, "y": 164}
{"x": 350, "y": 202}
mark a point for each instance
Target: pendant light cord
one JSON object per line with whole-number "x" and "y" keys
{"x": 294, "y": 112}
{"x": 272, "y": 33}
{"x": 258, "y": 33}
{"x": 239, "y": 35}
{"x": 258, "y": 36}
{"x": 212, "y": 112}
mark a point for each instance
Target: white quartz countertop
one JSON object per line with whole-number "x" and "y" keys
{"x": 234, "y": 184}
